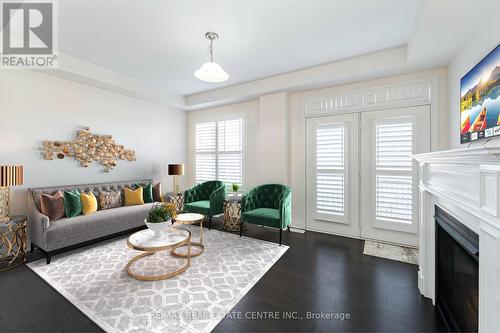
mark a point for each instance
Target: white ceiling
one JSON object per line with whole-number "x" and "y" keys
{"x": 162, "y": 42}
{"x": 150, "y": 48}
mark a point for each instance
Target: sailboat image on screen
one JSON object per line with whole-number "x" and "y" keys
{"x": 480, "y": 122}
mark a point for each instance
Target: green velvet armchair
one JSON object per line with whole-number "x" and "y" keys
{"x": 206, "y": 198}
{"x": 268, "y": 205}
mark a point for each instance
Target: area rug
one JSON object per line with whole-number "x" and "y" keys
{"x": 93, "y": 278}
{"x": 392, "y": 252}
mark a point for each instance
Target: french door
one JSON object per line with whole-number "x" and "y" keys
{"x": 389, "y": 175}
{"x": 332, "y": 174}
{"x": 361, "y": 179}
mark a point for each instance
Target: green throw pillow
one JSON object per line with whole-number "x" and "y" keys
{"x": 72, "y": 203}
{"x": 147, "y": 192}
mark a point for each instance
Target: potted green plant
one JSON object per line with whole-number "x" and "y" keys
{"x": 235, "y": 187}
{"x": 159, "y": 218}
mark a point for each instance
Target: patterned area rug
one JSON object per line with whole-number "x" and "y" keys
{"x": 393, "y": 252}
{"x": 94, "y": 280}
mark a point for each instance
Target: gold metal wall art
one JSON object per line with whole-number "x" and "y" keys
{"x": 87, "y": 148}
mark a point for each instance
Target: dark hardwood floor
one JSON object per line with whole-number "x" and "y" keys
{"x": 320, "y": 273}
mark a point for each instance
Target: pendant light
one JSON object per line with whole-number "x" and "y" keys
{"x": 211, "y": 71}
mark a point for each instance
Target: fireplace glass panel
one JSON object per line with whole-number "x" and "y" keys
{"x": 457, "y": 275}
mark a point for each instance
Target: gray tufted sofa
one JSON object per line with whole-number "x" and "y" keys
{"x": 51, "y": 236}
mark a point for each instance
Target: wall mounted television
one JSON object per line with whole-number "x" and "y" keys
{"x": 480, "y": 100}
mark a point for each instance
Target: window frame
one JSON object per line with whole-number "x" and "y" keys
{"x": 217, "y": 153}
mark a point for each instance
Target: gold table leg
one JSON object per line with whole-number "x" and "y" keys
{"x": 13, "y": 246}
{"x": 158, "y": 277}
{"x": 199, "y": 245}
{"x": 232, "y": 216}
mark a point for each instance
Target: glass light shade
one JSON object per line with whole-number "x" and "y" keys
{"x": 211, "y": 72}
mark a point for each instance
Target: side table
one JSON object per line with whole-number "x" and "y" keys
{"x": 232, "y": 213}
{"x": 177, "y": 198}
{"x": 12, "y": 242}
{"x": 190, "y": 218}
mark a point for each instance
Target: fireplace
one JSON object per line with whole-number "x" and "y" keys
{"x": 465, "y": 183}
{"x": 457, "y": 273}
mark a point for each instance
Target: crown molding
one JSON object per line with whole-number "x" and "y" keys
{"x": 78, "y": 70}
{"x": 366, "y": 67}
{"x": 362, "y": 68}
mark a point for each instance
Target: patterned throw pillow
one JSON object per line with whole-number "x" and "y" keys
{"x": 111, "y": 199}
{"x": 52, "y": 206}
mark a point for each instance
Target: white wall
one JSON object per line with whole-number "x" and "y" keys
{"x": 273, "y": 139}
{"x": 483, "y": 40}
{"x": 275, "y": 146}
{"x": 36, "y": 107}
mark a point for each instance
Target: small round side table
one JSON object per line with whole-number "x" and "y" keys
{"x": 12, "y": 242}
{"x": 190, "y": 218}
{"x": 232, "y": 213}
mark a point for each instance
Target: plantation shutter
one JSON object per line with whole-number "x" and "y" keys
{"x": 219, "y": 151}
{"x": 330, "y": 169}
{"x": 394, "y": 142}
{"x": 230, "y": 152}
{"x": 205, "y": 146}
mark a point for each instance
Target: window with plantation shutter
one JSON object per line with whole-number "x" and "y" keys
{"x": 230, "y": 152}
{"x": 393, "y": 170}
{"x": 330, "y": 169}
{"x": 205, "y": 143}
{"x": 219, "y": 151}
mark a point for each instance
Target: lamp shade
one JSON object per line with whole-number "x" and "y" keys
{"x": 211, "y": 72}
{"x": 176, "y": 169}
{"x": 11, "y": 175}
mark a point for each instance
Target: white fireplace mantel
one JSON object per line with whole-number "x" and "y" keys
{"x": 466, "y": 184}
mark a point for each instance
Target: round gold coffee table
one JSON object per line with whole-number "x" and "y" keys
{"x": 190, "y": 218}
{"x": 170, "y": 239}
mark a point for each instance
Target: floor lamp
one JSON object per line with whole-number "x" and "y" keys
{"x": 176, "y": 170}
{"x": 9, "y": 176}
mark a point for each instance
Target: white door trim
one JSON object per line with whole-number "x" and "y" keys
{"x": 406, "y": 93}
{"x": 382, "y": 97}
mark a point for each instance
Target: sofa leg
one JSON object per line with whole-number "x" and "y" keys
{"x": 241, "y": 227}
{"x": 210, "y": 223}
{"x": 281, "y": 234}
{"x": 288, "y": 228}
{"x": 32, "y": 247}
{"x": 47, "y": 256}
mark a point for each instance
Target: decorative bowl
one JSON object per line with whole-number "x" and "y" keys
{"x": 158, "y": 228}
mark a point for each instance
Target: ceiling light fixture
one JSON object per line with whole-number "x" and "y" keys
{"x": 211, "y": 71}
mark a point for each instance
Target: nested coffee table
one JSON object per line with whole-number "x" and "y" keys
{"x": 191, "y": 218}
{"x": 171, "y": 239}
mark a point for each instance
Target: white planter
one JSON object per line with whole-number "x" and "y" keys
{"x": 158, "y": 228}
